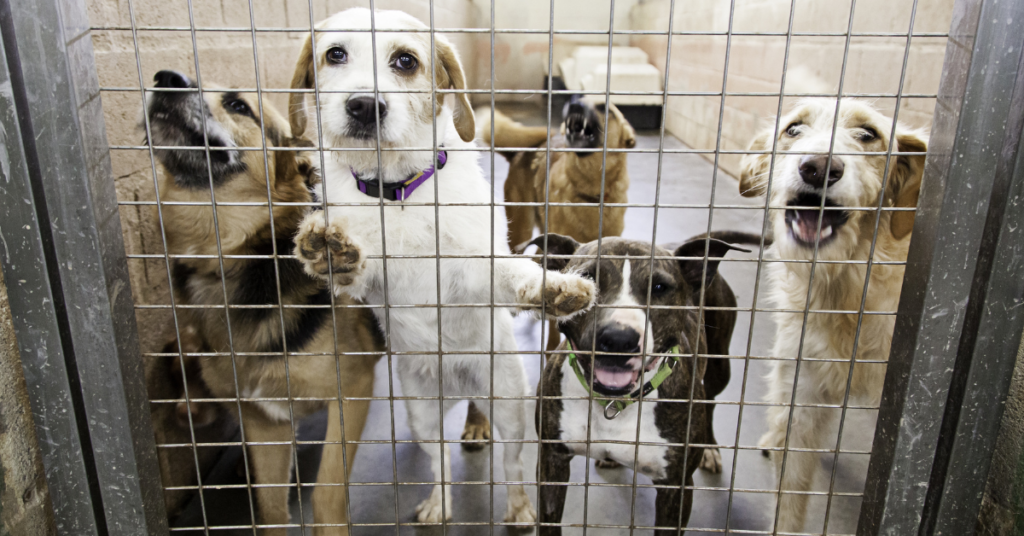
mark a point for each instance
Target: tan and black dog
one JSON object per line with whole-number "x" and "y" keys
{"x": 575, "y": 176}
{"x": 249, "y": 336}
{"x": 606, "y": 346}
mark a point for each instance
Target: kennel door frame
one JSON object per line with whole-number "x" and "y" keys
{"x": 959, "y": 321}
{"x": 82, "y": 364}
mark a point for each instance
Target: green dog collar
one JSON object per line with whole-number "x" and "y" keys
{"x": 612, "y": 408}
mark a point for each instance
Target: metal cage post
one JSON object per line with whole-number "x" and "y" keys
{"x": 959, "y": 320}
{"x": 68, "y": 277}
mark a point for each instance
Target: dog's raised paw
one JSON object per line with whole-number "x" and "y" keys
{"x": 711, "y": 461}
{"x": 607, "y": 463}
{"x": 325, "y": 249}
{"x": 564, "y": 295}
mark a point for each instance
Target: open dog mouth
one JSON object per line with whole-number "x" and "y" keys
{"x": 618, "y": 375}
{"x": 803, "y": 224}
{"x": 582, "y": 126}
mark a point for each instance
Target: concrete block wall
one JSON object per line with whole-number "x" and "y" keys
{"x": 874, "y": 64}
{"x": 225, "y": 58}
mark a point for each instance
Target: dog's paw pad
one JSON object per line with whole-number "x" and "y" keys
{"x": 568, "y": 295}
{"x": 607, "y": 464}
{"x": 711, "y": 461}
{"x": 324, "y": 249}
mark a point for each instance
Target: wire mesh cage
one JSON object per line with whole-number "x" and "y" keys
{"x": 668, "y": 237}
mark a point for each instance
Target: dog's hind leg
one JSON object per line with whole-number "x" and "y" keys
{"x": 271, "y": 466}
{"x": 425, "y": 424}
{"x": 716, "y": 377}
{"x": 510, "y": 419}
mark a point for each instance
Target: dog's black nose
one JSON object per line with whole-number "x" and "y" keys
{"x": 362, "y": 110}
{"x": 618, "y": 340}
{"x": 812, "y": 170}
{"x": 172, "y": 79}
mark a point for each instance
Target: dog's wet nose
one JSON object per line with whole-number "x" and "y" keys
{"x": 812, "y": 170}
{"x": 363, "y": 109}
{"x": 619, "y": 340}
{"x": 171, "y": 79}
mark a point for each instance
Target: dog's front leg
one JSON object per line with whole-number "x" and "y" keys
{"x": 523, "y": 282}
{"x": 554, "y": 461}
{"x": 328, "y": 252}
{"x": 329, "y": 502}
{"x": 668, "y": 510}
{"x": 271, "y": 466}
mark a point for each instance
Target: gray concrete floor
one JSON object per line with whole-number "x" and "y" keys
{"x": 685, "y": 179}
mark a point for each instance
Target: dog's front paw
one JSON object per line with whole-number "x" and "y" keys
{"x": 429, "y": 511}
{"x": 564, "y": 294}
{"x": 711, "y": 461}
{"x": 317, "y": 241}
{"x": 519, "y": 508}
{"x": 607, "y": 463}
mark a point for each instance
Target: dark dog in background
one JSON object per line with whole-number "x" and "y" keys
{"x": 250, "y": 340}
{"x": 621, "y": 332}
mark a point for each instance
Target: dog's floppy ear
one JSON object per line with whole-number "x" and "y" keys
{"x": 754, "y": 167}
{"x": 301, "y": 79}
{"x": 693, "y": 267}
{"x": 627, "y": 137}
{"x": 557, "y": 245}
{"x": 906, "y": 181}
{"x": 450, "y": 76}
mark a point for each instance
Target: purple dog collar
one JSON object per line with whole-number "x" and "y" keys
{"x": 402, "y": 190}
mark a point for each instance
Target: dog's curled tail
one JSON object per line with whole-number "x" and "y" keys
{"x": 508, "y": 133}
{"x": 736, "y": 237}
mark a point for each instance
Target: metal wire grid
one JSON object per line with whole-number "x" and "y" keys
{"x": 193, "y": 29}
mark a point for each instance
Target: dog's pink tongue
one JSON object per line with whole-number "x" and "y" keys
{"x": 807, "y": 223}
{"x": 613, "y": 378}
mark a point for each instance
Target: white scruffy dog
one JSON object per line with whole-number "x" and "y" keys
{"x": 854, "y": 183}
{"x": 349, "y": 112}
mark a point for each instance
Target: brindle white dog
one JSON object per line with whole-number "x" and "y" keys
{"x": 611, "y": 346}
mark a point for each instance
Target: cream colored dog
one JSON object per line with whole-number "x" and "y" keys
{"x": 841, "y": 233}
{"x": 420, "y": 225}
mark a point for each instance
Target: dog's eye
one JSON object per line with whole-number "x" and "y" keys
{"x": 239, "y": 106}
{"x": 868, "y": 134}
{"x": 405, "y": 62}
{"x": 337, "y": 55}
{"x": 660, "y": 289}
{"x": 793, "y": 130}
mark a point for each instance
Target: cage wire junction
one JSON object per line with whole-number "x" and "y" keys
{"x": 101, "y": 459}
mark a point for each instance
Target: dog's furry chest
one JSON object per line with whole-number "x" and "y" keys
{"x": 651, "y": 460}
{"x": 426, "y": 231}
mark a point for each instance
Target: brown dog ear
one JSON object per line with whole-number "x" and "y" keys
{"x": 906, "y": 181}
{"x": 557, "y": 245}
{"x": 627, "y": 136}
{"x": 691, "y": 260}
{"x": 301, "y": 79}
{"x": 754, "y": 167}
{"x": 449, "y": 75}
